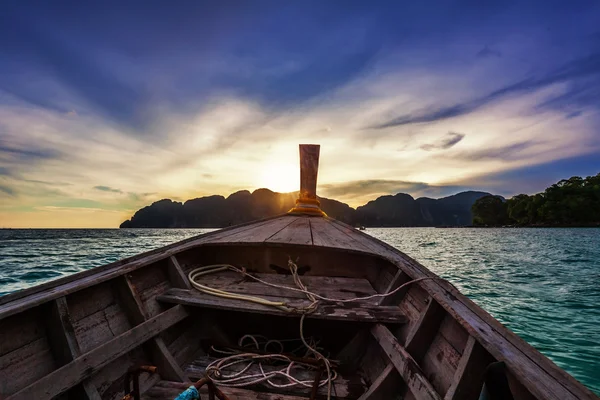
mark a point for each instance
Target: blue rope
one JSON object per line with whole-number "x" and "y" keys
{"x": 190, "y": 393}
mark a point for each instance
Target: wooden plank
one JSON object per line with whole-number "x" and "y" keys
{"x": 400, "y": 279}
{"x": 326, "y": 234}
{"x": 297, "y": 232}
{"x": 331, "y": 287}
{"x": 84, "y": 366}
{"x": 259, "y": 233}
{"x": 64, "y": 346}
{"x": 387, "y": 386}
{"x": 469, "y": 376}
{"x": 25, "y": 365}
{"x": 162, "y": 358}
{"x": 176, "y": 275}
{"x": 537, "y": 373}
{"x": 405, "y": 364}
{"x": 357, "y": 312}
{"x": 329, "y": 234}
{"x": 422, "y": 333}
{"x": 166, "y": 390}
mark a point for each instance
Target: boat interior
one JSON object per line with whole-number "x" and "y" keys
{"x": 93, "y": 335}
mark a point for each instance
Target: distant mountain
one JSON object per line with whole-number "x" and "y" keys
{"x": 391, "y": 211}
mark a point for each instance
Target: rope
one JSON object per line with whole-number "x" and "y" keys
{"x": 238, "y": 379}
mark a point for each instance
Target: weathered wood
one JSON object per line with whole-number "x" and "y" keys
{"x": 344, "y": 387}
{"x": 331, "y": 287}
{"x": 176, "y": 274}
{"x": 537, "y": 373}
{"x": 469, "y": 376}
{"x": 400, "y": 279}
{"x": 357, "y": 312}
{"x": 64, "y": 346}
{"x": 353, "y": 352}
{"x": 325, "y": 234}
{"x": 440, "y": 363}
{"x": 298, "y": 232}
{"x": 87, "y": 364}
{"x": 261, "y": 233}
{"x": 25, "y": 365}
{"x": 309, "y": 168}
{"x": 162, "y": 358}
{"x": 422, "y": 333}
{"x": 405, "y": 364}
{"x": 386, "y": 387}
{"x": 166, "y": 390}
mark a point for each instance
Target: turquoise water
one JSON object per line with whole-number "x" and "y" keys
{"x": 544, "y": 284}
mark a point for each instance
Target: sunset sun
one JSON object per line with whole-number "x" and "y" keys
{"x": 280, "y": 177}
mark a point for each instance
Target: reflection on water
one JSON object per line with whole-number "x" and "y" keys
{"x": 544, "y": 284}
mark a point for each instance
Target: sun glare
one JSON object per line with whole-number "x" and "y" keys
{"x": 280, "y": 177}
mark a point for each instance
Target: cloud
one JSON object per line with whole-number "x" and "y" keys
{"x": 584, "y": 67}
{"x": 369, "y": 187}
{"x": 30, "y": 154}
{"x": 509, "y": 152}
{"x": 451, "y": 139}
{"x": 108, "y": 189}
{"x": 7, "y": 191}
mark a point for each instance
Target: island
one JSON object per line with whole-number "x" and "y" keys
{"x": 573, "y": 202}
{"x": 400, "y": 210}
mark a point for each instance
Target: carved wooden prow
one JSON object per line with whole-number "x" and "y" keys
{"x": 307, "y": 202}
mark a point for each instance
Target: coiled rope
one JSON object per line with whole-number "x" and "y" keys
{"x": 238, "y": 379}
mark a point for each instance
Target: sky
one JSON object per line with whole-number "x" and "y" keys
{"x": 107, "y": 107}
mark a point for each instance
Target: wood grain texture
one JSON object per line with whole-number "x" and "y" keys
{"x": 166, "y": 390}
{"x": 387, "y": 386}
{"x": 84, "y": 366}
{"x": 469, "y": 376}
{"x": 64, "y": 346}
{"x": 160, "y": 355}
{"x": 176, "y": 275}
{"x": 422, "y": 333}
{"x": 356, "y": 313}
{"x": 297, "y": 232}
{"x": 328, "y": 286}
{"x": 405, "y": 364}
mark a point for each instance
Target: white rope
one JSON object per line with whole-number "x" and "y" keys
{"x": 238, "y": 379}
{"x": 215, "y": 370}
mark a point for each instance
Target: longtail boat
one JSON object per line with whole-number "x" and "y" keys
{"x": 298, "y": 306}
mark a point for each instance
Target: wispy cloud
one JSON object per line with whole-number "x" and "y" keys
{"x": 108, "y": 189}
{"x": 451, "y": 139}
{"x": 7, "y": 191}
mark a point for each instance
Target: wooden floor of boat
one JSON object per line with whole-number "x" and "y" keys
{"x": 347, "y": 385}
{"x": 168, "y": 390}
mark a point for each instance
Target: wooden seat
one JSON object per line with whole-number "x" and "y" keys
{"x": 347, "y": 312}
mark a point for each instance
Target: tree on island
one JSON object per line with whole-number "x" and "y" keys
{"x": 569, "y": 202}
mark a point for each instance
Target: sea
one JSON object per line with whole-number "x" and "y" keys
{"x": 542, "y": 283}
